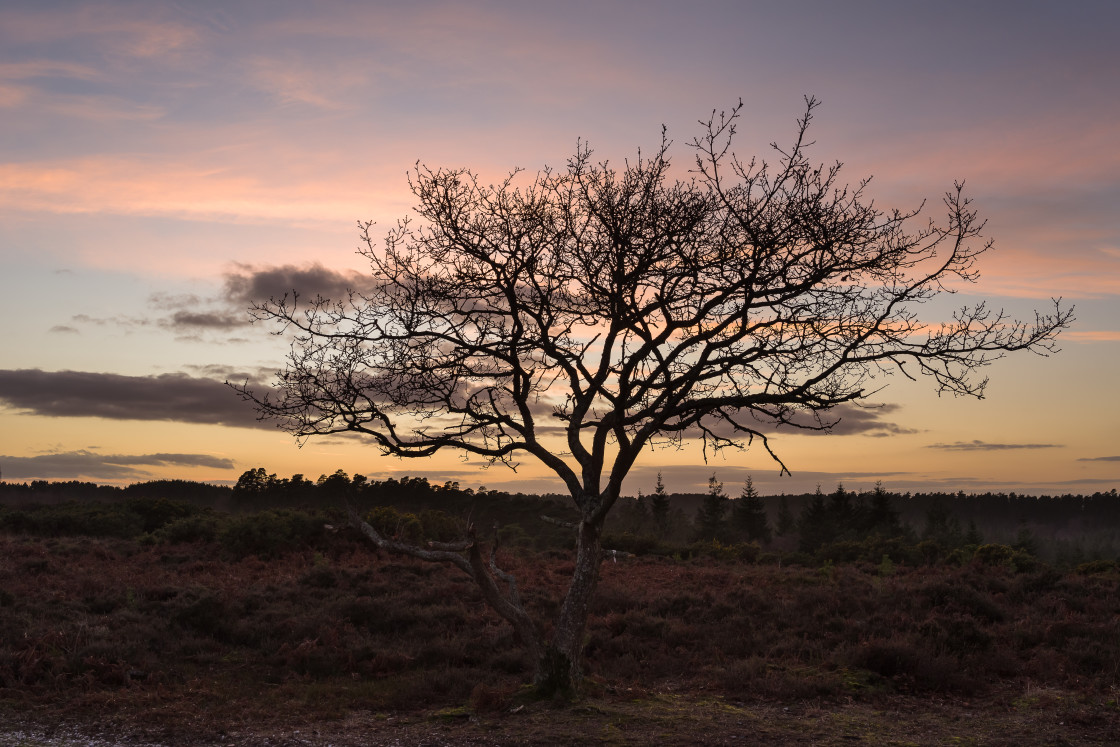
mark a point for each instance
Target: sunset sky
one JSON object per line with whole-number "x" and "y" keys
{"x": 162, "y": 164}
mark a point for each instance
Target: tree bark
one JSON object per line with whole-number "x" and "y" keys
{"x": 560, "y": 668}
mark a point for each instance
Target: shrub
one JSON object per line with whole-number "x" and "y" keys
{"x": 207, "y": 613}
{"x": 391, "y": 523}
{"x": 744, "y": 551}
{"x": 1097, "y": 566}
{"x": 512, "y": 535}
{"x": 440, "y": 526}
{"x": 993, "y": 555}
{"x": 87, "y": 519}
{"x": 199, "y": 527}
{"x": 271, "y": 533}
{"x": 158, "y": 512}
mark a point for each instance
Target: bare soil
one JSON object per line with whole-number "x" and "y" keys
{"x": 1033, "y": 718}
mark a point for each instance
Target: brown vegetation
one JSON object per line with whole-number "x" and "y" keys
{"x": 166, "y": 634}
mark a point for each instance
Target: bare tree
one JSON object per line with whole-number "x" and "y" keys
{"x": 585, "y": 314}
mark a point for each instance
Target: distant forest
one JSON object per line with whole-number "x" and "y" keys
{"x": 840, "y": 525}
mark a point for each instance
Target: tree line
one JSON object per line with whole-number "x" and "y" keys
{"x": 1073, "y": 525}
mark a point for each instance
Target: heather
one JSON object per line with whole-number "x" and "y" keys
{"x": 283, "y": 615}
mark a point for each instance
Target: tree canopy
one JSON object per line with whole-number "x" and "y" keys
{"x": 622, "y": 308}
{"x": 583, "y": 314}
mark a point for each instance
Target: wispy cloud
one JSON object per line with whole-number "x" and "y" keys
{"x": 130, "y": 185}
{"x": 1100, "y": 459}
{"x": 143, "y": 32}
{"x": 89, "y": 464}
{"x": 46, "y": 68}
{"x": 1088, "y": 335}
{"x": 174, "y": 396}
{"x": 985, "y": 446}
{"x": 293, "y": 80}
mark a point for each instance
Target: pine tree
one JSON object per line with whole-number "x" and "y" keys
{"x": 942, "y": 526}
{"x": 709, "y": 518}
{"x": 813, "y": 524}
{"x": 787, "y": 523}
{"x": 639, "y": 517}
{"x": 882, "y": 518}
{"x": 659, "y": 508}
{"x": 841, "y": 512}
{"x": 749, "y": 514}
{"x": 973, "y": 535}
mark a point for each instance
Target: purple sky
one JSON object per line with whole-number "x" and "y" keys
{"x": 163, "y": 163}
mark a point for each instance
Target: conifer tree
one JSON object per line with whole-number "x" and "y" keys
{"x": 813, "y": 524}
{"x": 709, "y": 518}
{"x": 942, "y": 525}
{"x": 749, "y": 514}
{"x": 973, "y": 535}
{"x": 659, "y": 507}
{"x": 787, "y": 523}
{"x": 841, "y": 512}
{"x": 882, "y": 518}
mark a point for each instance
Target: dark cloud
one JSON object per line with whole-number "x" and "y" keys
{"x": 220, "y": 372}
{"x": 207, "y": 319}
{"x": 1100, "y": 459}
{"x": 63, "y": 329}
{"x": 119, "y": 321}
{"x": 91, "y": 465}
{"x": 985, "y": 446}
{"x": 173, "y": 396}
{"x": 867, "y": 420}
{"x": 191, "y": 315}
{"x": 249, "y": 285}
{"x": 845, "y": 420}
{"x": 169, "y": 302}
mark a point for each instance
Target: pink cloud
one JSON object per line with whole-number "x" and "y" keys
{"x": 1088, "y": 335}
{"x": 123, "y": 33}
{"x": 124, "y": 185}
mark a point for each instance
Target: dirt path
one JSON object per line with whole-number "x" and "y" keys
{"x": 653, "y": 719}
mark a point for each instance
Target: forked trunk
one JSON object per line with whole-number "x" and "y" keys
{"x": 560, "y": 668}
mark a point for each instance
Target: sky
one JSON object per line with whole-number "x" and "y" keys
{"x": 165, "y": 164}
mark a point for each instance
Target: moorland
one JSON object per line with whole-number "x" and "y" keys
{"x": 173, "y": 613}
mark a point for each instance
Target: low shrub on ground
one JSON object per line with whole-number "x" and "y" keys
{"x": 291, "y": 603}
{"x": 273, "y": 532}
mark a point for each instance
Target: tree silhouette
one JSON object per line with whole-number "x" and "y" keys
{"x": 712, "y": 511}
{"x": 813, "y": 525}
{"x": 749, "y": 514}
{"x": 659, "y": 508}
{"x": 584, "y": 314}
{"x": 787, "y": 522}
{"x": 881, "y": 516}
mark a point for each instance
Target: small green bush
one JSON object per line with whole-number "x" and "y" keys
{"x": 393, "y": 524}
{"x": 159, "y": 512}
{"x": 440, "y": 526}
{"x": 88, "y": 519}
{"x": 993, "y": 555}
{"x": 201, "y": 527}
{"x": 1097, "y": 566}
{"x": 271, "y": 533}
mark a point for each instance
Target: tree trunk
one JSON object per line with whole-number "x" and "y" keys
{"x": 560, "y": 668}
